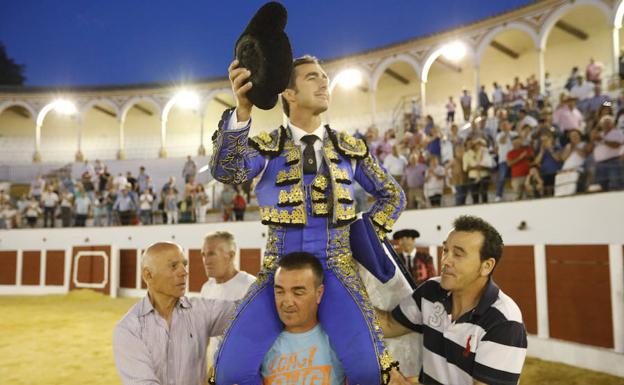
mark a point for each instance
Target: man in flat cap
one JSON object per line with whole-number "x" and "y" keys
{"x": 306, "y": 197}
{"x": 418, "y": 264}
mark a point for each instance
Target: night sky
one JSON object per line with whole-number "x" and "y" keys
{"x": 97, "y": 42}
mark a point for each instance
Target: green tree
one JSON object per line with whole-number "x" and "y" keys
{"x": 11, "y": 73}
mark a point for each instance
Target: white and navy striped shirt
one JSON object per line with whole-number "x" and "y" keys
{"x": 487, "y": 344}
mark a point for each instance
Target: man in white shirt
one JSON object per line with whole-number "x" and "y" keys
{"x": 50, "y": 200}
{"x": 608, "y": 143}
{"x": 225, "y": 282}
{"x": 395, "y": 163}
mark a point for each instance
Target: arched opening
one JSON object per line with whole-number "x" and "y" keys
{"x": 397, "y": 86}
{"x": 59, "y": 136}
{"x": 350, "y": 106}
{"x": 572, "y": 36}
{"x": 17, "y": 130}
{"x": 141, "y": 129}
{"x": 506, "y": 55}
{"x": 100, "y": 130}
{"x": 446, "y": 78}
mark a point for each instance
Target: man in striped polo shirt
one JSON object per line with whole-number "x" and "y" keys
{"x": 472, "y": 332}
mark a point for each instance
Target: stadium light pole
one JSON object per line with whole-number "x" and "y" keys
{"x": 62, "y": 106}
{"x": 185, "y": 99}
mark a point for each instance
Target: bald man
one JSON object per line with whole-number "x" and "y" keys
{"x": 163, "y": 338}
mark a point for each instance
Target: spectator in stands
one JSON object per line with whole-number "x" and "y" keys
{"x": 189, "y": 169}
{"x": 82, "y": 207}
{"x": 547, "y": 85}
{"x": 478, "y": 175}
{"x": 428, "y": 125}
{"x": 497, "y": 95}
{"x": 503, "y": 146}
{"x": 548, "y": 159}
{"x": 446, "y": 149}
{"x": 525, "y": 119}
{"x": 50, "y": 201}
{"x": 67, "y": 203}
{"x": 414, "y": 180}
{"x": 568, "y": 117}
{"x": 434, "y": 145}
{"x": 582, "y": 92}
{"x": 385, "y": 147}
{"x": 395, "y": 163}
{"x": 574, "y": 155}
{"x": 141, "y": 353}
{"x": 86, "y": 179}
{"x": 534, "y": 184}
{"x": 434, "y": 182}
{"x": 132, "y": 182}
{"x": 607, "y": 142}
{"x": 227, "y": 202}
{"x": 519, "y": 159}
{"x": 111, "y": 198}
{"x": 239, "y": 204}
{"x": 225, "y": 282}
{"x": 120, "y": 182}
{"x": 171, "y": 206}
{"x": 170, "y": 184}
{"x": 37, "y": 187}
{"x": 484, "y": 101}
{"x": 32, "y": 212}
{"x": 466, "y": 103}
{"x": 104, "y": 179}
{"x": 146, "y": 204}
{"x": 450, "y": 110}
{"x": 571, "y": 82}
{"x": 202, "y": 203}
{"x": 99, "y": 209}
{"x": 143, "y": 180}
{"x": 459, "y": 177}
{"x": 593, "y": 72}
{"x": 98, "y": 168}
{"x": 372, "y": 139}
{"x": 124, "y": 206}
{"x": 597, "y": 101}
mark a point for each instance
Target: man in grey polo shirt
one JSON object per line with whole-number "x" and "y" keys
{"x": 472, "y": 332}
{"x": 163, "y": 338}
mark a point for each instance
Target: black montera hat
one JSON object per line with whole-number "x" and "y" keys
{"x": 263, "y": 48}
{"x": 411, "y": 233}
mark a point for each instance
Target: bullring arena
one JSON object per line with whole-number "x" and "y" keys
{"x": 63, "y": 289}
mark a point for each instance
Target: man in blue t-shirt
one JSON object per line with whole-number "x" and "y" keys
{"x": 301, "y": 354}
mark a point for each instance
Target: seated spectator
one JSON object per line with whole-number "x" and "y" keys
{"x": 533, "y": 184}
{"x": 519, "y": 159}
{"x": 414, "y": 180}
{"x": 607, "y": 142}
{"x": 434, "y": 182}
{"x": 525, "y": 119}
{"x": 549, "y": 161}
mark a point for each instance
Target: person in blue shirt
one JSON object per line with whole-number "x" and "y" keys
{"x": 302, "y": 353}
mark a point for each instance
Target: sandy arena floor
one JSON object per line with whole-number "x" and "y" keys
{"x": 67, "y": 340}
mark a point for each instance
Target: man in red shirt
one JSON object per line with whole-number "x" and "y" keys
{"x": 519, "y": 160}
